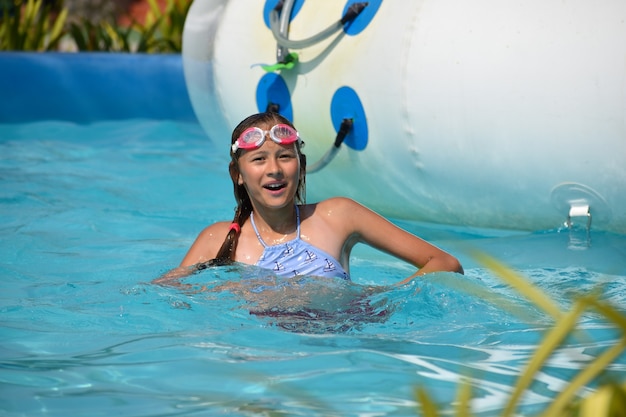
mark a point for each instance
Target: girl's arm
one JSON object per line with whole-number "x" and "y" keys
{"x": 371, "y": 228}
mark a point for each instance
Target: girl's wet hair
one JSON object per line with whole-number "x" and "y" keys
{"x": 226, "y": 253}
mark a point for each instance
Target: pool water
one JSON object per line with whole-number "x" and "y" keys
{"x": 92, "y": 212}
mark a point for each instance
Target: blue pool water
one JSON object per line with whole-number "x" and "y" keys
{"x": 93, "y": 210}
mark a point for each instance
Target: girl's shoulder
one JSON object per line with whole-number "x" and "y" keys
{"x": 207, "y": 244}
{"x": 216, "y": 230}
{"x": 337, "y": 203}
{"x": 331, "y": 210}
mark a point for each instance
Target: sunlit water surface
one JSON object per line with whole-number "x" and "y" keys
{"x": 92, "y": 213}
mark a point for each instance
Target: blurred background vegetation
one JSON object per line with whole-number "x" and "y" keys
{"x": 143, "y": 26}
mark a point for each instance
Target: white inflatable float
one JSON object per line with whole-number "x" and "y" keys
{"x": 487, "y": 113}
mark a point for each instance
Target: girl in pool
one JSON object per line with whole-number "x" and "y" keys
{"x": 273, "y": 228}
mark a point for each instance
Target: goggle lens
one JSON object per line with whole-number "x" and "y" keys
{"x": 254, "y": 137}
{"x": 284, "y": 133}
{"x": 251, "y": 137}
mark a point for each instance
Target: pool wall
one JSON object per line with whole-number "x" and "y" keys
{"x": 85, "y": 87}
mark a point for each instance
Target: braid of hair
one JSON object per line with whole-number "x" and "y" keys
{"x": 226, "y": 253}
{"x": 301, "y": 193}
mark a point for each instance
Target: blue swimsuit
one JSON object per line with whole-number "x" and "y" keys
{"x": 297, "y": 257}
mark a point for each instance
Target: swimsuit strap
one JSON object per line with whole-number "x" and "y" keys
{"x": 256, "y": 231}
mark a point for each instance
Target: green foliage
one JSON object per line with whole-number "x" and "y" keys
{"x": 25, "y": 26}
{"x": 29, "y": 27}
{"x": 162, "y": 32}
{"x": 101, "y": 37}
{"x": 608, "y": 401}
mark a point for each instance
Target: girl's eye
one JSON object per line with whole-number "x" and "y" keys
{"x": 256, "y": 157}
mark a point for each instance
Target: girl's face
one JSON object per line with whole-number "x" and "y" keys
{"x": 270, "y": 173}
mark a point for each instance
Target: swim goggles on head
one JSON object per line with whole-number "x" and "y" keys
{"x": 254, "y": 137}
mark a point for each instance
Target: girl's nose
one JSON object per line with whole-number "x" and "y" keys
{"x": 273, "y": 167}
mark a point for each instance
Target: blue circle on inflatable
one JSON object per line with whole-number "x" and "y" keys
{"x": 269, "y": 6}
{"x": 273, "y": 89}
{"x": 363, "y": 19}
{"x": 346, "y": 105}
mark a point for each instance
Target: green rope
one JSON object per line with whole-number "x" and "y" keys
{"x": 290, "y": 61}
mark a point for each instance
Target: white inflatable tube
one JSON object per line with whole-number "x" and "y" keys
{"x": 499, "y": 114}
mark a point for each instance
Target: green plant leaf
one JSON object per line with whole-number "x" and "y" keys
{"x": 38, "y": 32}
{"x": 58, "y": 29}
{"x": 591, "y": 371}
{"x": 609, "y": 312}
{"x": 532, "y": 293}
{"x": 464, "y": 397}
{"x": 429, "y": 409}
{"x": 549, "y": 343}
{"x": 595, "y": 368}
